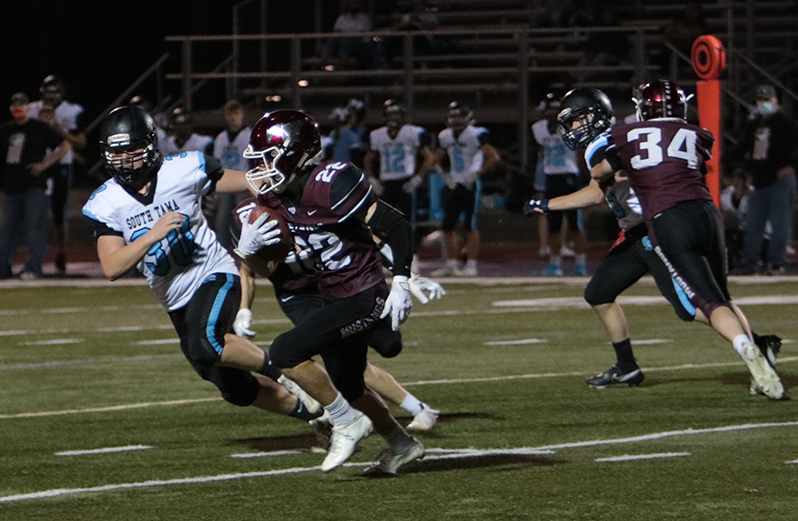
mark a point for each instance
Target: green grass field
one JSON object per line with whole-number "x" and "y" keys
{"x": 520, "y": 435}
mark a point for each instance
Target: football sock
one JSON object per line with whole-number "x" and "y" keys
{"x": 301, "y": 412}
{"x": 471, "y": 263}
{"x": 399, "y": 440}
{"x": 554, "y": 260}
{"x": 581, "y": 259}
{"x": 411, "y": 404}
{"x": 341, "y": 413}
{"x": 739, "y": 343}
{"x": 267, "y": 369}
{"x": 623, "y": 352}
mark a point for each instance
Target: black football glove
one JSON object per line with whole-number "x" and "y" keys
{"x": 536, "y": 206}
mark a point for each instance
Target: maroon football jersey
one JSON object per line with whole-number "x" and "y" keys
{"x": 664, "y": 160}
{"x": 334, "y": 243}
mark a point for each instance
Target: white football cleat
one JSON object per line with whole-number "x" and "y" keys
{"x": 467, "y": 271}
{"x": 446, "y": 271}
{"x": 292, "y": 387}
{"x": 390, "y": 461}
{"x": 344, "y": 439}
{"x": 424, "y": 420}
{"x": 762, "y": 372}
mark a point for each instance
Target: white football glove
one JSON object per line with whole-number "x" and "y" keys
{"x": 376, "y": 186}
{"x": 399, "y": 302}
{"x": 412, "y": 184}
{"x": 243, "y": 323}
{"x": 424, "y": 289}
{"x": 254, "y": 236}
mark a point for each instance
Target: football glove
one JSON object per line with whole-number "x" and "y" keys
{"x": 243, "y": 323}
{"x": 254, "y": 236}
{"x": 376, "y": 186}
{"x": 412, "y": 184}
{"x": 424, "y": 289}
{"x": 536, "y": 206}
{"x": 398, "y": 303}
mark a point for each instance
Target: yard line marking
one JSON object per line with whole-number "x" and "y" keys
{"x": 246, "y": 455}
{"x": 791, "y": 462}
{"x": 418, "y": 383}
{"x": 105, "y": 450}
{"x": 652, "y": 341}
{"x": 463, "y": 453}
{"x": 636, "y": 457}
{"x": 158, "y": 342}
{"x": 520, "y": 342}
{"x": 579, "y": 302}
{"x": 54, "y": 342}
{"x": 107, "y": 409}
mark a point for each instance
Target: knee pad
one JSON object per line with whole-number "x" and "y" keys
{"x": 237, "y": 386}
{"x": 286, "y": 350}
{"x": 387, "y": 343}
{"x": 200, "y": 352}
{"x": 593, "y": 294}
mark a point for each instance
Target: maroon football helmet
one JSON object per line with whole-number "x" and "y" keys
{"x": 282, "y": 142}
{"x": 660, "y": 99}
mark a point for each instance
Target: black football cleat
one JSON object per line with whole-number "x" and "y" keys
{"x": 614, "y": 376}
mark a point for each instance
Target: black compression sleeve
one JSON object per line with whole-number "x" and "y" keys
{"x": 390, "y": 225}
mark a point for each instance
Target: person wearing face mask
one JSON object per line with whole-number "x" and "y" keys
{"x": 25, "y": 145}
{"x": 769, "y": 149}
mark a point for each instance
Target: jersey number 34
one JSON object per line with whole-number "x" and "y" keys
{"x": 682, "y": 146}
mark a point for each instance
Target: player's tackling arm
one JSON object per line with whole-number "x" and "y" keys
{"x": 233, "y": 182}
{"x": 587, "y": 196}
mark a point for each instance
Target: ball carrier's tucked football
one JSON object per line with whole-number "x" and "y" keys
{"x": 265, "y": 237}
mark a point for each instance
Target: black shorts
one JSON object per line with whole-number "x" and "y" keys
{"x": 625, "y": 263}
{"x": 557, "y": 185}
{"x": 458, "y": 201}
{"x": 202, "y": 324}
{"x": 689, "y": 239}
{"x": 337, "y": 330}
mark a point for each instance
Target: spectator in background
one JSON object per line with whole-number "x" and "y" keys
{"x": 66, "y": 119}
{"x": 353, "y": 52}
{"x": 158, "y": 117}
{"x": 228, "y": 148}
{"x": 734, "y": 206}
{"x": 345, "y": 144}
{"x": 182, "y": 137}
{"x": 357, "y": 109}
{"x": 561, "y": 167}
{"x": 770, "y": 150}
{"x": 28, "y": 148}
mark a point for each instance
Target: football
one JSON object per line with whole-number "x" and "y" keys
{"x": 275, "y": 252}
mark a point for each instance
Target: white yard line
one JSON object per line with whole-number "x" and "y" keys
{"x": 107, "y": 409}
{"x": 105, "y": 450}
{"x": 636, "y": 457}
{"x": 247, "y": 455}
{"x": 521, "y": 342}
{"x": 460, "y": 453}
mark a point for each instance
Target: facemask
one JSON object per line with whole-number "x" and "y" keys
{"x": 766, "y": 109}
{"x": 19, "y": 113}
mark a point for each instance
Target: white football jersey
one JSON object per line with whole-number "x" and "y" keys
{"x": 465, "y": 152}
{"x": 195, "y": 143}
{"x": 176, "y": 266}
{"x": 231, "y": 153}
{"x": 557, "y": 158}
{"x": 66, "y": 114}
{"x": 398, "y": 155}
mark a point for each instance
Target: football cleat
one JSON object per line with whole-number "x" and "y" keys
{"x": 614, "y": 376}
{"x": 424, "y": 420}
{"x": 467, "y": 271}
{"x": 552, "y": 271}
{"x": 580, "y": 270}
{"x": 292, "y": 387}
{"x": 446, "y": 271}
{"x": 762, "y": 372}
{"x": 769, "y": 346}
{"x": 389, "y": 461}
{"x": 344, "y": 440}
{"x": 323, "y": 427}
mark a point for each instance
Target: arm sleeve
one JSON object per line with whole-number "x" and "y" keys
{"x": 99, "y": 229}
{"x": 390, "y": 225}
{"x": 350, "y": 192}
